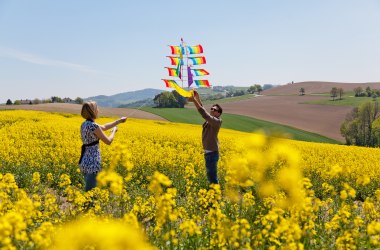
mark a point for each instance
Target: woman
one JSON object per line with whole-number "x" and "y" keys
{"x": 91, "y": 133}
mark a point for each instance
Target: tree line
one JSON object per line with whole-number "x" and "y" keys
{"x": 368, "y": 92}
{"x": 334, "y": 92}
{"x": 362, "y": 125}
{"x": 358, "y": 92}
{"x": 174, "y": 100}
{"x": 53, "y": 99}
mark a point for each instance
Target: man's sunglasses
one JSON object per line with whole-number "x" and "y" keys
{"x": 214, "y": 109}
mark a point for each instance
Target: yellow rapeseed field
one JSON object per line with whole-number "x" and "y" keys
{"x": 153, "y": 192}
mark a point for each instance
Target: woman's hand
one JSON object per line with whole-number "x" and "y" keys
{"x": 122, "y": 119}
{"x": 114, "y": 129}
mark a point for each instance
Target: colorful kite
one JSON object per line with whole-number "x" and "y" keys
{"x": 173, "y": 84}
{"x": 182, "y": 59}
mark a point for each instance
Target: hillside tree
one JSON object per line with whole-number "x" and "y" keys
{"x": 358, "y": 91}
{"x": 180, "y": 99}
{"x": 78, "y": 100}
{"x": 302, "y": 91}
{"x": 9, "y": 102}
{"x": 251, "y": 89}
{"x": 340, "y": 93}
{"x": 255, "y": 88}
{"x": 361, "y": 126}
{"x": 368, "y": 91}
{"x": 334, "y": 93}
{"x": 259, "y": 89}
{"x": 36, "y": 101}
{"x": 165, "y": 100}
{"x": 55, "y": 99}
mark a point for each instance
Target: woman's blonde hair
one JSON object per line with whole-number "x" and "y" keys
{"x": 89, "y": 110}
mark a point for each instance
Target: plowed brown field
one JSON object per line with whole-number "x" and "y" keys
{"x": 289, "y": 110}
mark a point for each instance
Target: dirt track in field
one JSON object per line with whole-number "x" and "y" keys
{"x": 76, "y": 109}
{"x": 289, "y": 110}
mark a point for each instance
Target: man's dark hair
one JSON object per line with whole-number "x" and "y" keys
{"x": 220, "y": 110}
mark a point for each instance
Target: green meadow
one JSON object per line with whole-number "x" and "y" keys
{"x": 345, "y": 101}
{"x": 240, "y": 123}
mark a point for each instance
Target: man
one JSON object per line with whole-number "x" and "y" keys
{"x": 209, "y": 136}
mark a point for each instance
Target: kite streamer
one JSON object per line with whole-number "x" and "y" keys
{"x": 202, "y": 83}
{"x": 177, "y": 50}
{"x": 173, "y": 71}
{"x": 198, "y": 60}
{"x": 173, "y": 84}
{"x": 175, "y": 60}
{"x": 200, "y": 72}
{"x": 189, "y": 76}
{"x": 195, "y": 49}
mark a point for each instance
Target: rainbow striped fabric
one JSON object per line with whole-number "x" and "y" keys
{"x": 173, "y": 84}
{"x": 202, "y": 83}
{"x": 177, "y": 50}
{"x": 198, "y": 60}
{"x": 195, "y": 49}
{"x": 173, "y": 71}
{"x": 200, "y": 72}
{"x": 175, "y": 60}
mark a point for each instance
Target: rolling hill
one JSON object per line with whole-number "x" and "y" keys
{"x": 316, "y": 87}
{"x": 124, "y": 98}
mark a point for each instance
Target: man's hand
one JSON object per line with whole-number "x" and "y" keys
{"x": 196, "y": 96}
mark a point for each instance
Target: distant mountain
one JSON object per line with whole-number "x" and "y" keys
{"x": 124, "y": 98}
{"x": 142, "y": 103}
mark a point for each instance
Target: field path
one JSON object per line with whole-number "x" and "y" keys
{"x": 76, "y": 109}
{"x": 289, "y": 110}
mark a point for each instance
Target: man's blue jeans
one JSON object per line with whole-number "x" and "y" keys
{"x": 90, "y": 181}
{"x": 212, "y": 166}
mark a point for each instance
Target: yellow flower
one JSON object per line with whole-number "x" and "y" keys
{"x": 190, "y": 227}
{"x": 64, "y": 180}
{"x": 49, "y": 177}
{"x": 112, "y": 179}
{"x": 335, "y": 171}
{"x": 99, "y": 234}
{"x": 343, "y": 194}
{"x": 36, "y": 178}
{"x": 157, "y": 180}
{"x": 363, "y": 180}
{"x": 42, "y": 236}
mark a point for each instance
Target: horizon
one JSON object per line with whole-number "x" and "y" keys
{"x": 169, "y": 89}
{"x": 90, "y": 48}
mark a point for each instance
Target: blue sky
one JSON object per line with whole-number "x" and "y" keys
{"x": 86, "y": 48}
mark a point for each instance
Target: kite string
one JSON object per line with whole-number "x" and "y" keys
{"x": 134, "y": 111}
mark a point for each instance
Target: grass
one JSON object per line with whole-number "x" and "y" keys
{"x": 346, "y": 101}
{"x": 228, "y": 99}
{"x": 240, "y": 123}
